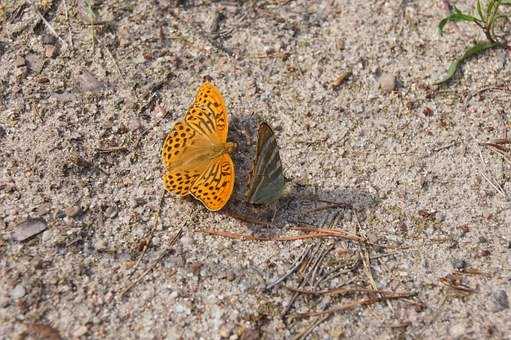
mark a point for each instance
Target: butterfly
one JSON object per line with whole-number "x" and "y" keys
{"x": 196, "y": 153}
{"x": 267, "y": 181}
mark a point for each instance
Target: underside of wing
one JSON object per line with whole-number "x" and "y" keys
{"x": 267, "y": 179}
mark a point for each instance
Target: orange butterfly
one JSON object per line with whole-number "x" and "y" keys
{"x": 196, "y": 152}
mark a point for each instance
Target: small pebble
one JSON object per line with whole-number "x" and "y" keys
{"x": 196, "y": 267}
{"x": 138, "y": 201}
{"x": 459, "y": 264}
{"x": 48, "y": 39}
{"x": 80, "y": 331}
{"x": 223, "y": 332}
{"x": 457, "y": 330}
{"x": 47, "y": 236}
{"x": 181, "y": 309}
{"x": 73, "y": 211}
{"x": 21, "y": 72}
{"x": 250, "y": 334}
{"x": 111, "y": 212}
{"x": 500, "y": 301}
{"x": 4, "y": 300}
{"x": 100, "y": 245}
{"x": 87, "y": 82}
{"x": 50, "y": 51}
{"x": 29, "y": 228}
{"x": 124, "y": 36}
{"x": 34, "y": 63}
{"x": 387, "y": 83}
{"x": 174, "y": 261}
{"x": 20, "y": 61}
{"x": 18, "y": 292}
{"x": 187, "y": 242}
{"x": 134, "y": 124}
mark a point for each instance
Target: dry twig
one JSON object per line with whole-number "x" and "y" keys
{"x": 361, "y": 302}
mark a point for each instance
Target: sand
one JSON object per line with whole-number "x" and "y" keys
{"x": 347, "y": 87}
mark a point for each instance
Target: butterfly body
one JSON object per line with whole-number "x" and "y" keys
{"x": 196, "y": 153}
{"x": 267, "y": 180}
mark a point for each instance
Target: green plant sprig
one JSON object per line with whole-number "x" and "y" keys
{"x": 486, "y": 18}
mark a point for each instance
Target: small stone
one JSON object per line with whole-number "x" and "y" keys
{"x": 73, "y": 211}
{"x": 43, "y": 209}
{"x": 229, "y": 276}
{"x": 500, "y": 301}
{"x": 124, "y": 36}
{"x": 174, "y": 261}
{"x": 4, "y": 300}
{"x": 140, "y": 201}
{"x": 34, "y": 63}
{"x": 180, "y": 309}
{"x": 111, "y": 212}
{"x": 47, "y": 236}
{"x": 457, "y": 330}
{"x": 484, "y": 253}
{"x": 459, "y": 264}
{"x": 387, "y": 83}
{"x": 340, "y": 45}
{"x": 18, "y": 292}
{"x": 196, "y": 267}
{"x": 21, "y": 72}
{"x": 87, "y": 82}
{"x": 100, "y": 245}
{"x": 250, "y": 334}
{"x": 48, "y": 39}
{"x": 187, "y": 242}
{"x": 50, "y": 51}
{"x": 29, "y": 228}
{"x": 134, "y": 124}
{"x": 80, "y": 331}
{"x": 223, "y": 332}
{"x": 20, "y": 61}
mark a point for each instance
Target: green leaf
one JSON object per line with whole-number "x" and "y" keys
{"x": 455, "y": 16}
{"x": 480, "y": 10}
{"x": 477, "y": 48}
{"x": 506, "y": 2}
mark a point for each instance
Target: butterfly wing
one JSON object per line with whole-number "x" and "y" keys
{"x": 179, "y": 139}
{"x": 267, "y": 178}
{"x": 180, "y": 148}
{"x": 208, "y": 114}
{"x": 214, "y": 187}
{"x": 179, "y": 182}
{"x": 190, "y": 151}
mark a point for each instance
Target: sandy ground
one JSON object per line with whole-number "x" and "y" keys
{"x": 81, "y": 126}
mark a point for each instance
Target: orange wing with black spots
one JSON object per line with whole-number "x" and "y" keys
{"x": 196, "y": 153}
{"x": 180, "y": 138}
{"x": 180, "y": 181}
{"x": 208, "y": 114}
{"x": 215, "y": 185}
